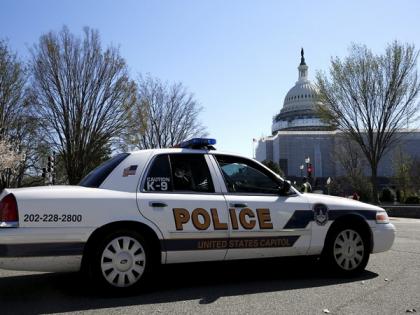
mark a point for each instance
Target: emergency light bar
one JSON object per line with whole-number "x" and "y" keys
{"x": 198, "y": 143}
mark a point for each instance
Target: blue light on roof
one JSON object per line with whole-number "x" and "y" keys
{"x": 197, "y": 143}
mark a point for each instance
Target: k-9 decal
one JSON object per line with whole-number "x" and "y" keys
{"x": 157, "y": 183}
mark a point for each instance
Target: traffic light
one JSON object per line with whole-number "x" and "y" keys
{"x": 44, "y": 172}
{"x": 51, "y": 164}
{"x": 309, "y": 170}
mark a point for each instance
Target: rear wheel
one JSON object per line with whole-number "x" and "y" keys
{"x": 121, "y": 261}
{"x": 347, "y": 250}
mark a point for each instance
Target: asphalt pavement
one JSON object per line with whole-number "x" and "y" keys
{"x": 390, "y": 285}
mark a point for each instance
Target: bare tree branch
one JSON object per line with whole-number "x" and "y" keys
{"x": 371, "y": 97}
{"x": 17, "y": 126}
{"x": 164, "y": 116}
{"x": 81, "y": 93}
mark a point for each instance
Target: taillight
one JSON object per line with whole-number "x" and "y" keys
{"x": 8, "y": 211}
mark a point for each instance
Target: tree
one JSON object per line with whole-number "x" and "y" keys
{"x": 371, "y": 97}
{"x": 16, "y": 124}
{"x": 81, "y": 93}
{"x": 274, "y": 167}
{"x": 164, "y": 115}
{"x": 351, "y": 159}
{"x": 402, "y": 166}
{"x": 10, "y": 162}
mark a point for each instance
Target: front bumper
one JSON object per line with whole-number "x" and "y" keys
{"x": 383, "y": 237}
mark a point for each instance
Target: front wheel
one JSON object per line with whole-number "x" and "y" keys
{"x": 121, "y": 261}
{"x": 347, "y": 250}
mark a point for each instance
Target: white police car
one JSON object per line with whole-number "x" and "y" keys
{"x": 176, "y": 205}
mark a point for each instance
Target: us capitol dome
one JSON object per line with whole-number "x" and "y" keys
{"x": 298, "y": 133}
{"x": 299, "y": 107}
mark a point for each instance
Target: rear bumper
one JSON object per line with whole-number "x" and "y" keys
{"x": 41, "y": 249}
{"x": 47, "y": 264}
{"x": 52, "y": 257}
{"x": 383, "y": 237}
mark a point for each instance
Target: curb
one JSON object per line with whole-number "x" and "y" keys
{"x": 403, "y": 211}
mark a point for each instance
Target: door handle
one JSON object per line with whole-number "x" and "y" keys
{"x": 238, "y": 205}
{"x": 156, "y": 204}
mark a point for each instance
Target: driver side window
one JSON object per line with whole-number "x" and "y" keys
{"x": 244, "y": 176}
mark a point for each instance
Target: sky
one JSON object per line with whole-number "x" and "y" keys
{"x": 239, "y": 58}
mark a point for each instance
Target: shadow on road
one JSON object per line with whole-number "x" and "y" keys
{"x": 206, "y": 282}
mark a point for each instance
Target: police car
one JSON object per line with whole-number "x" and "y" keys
{"x": 176, "y": 205}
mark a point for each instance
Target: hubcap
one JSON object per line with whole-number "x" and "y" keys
{"x": 123, "y": 261}
{"x": 348, "y": 249}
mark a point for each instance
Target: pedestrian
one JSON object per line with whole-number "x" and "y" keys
{"x": 356, "y": 196}
{"x": 306, "y": 186}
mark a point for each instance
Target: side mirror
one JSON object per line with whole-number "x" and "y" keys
{"x": 283, "y": 190}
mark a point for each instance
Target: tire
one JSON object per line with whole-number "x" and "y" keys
{"x": 347, "y": 250}
{"x": 120, "y": 262}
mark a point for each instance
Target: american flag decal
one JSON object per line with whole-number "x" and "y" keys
{"x": 131, "y": 170}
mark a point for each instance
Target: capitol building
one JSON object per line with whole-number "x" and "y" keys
{"x": 299, "y": 133}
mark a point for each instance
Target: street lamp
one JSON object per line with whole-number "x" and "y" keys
{"x": 328, "y": 184}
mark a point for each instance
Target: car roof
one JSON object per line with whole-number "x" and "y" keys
{"x": 181, "y": 150}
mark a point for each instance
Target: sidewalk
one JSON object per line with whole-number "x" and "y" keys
{"x": 404, "y": 220}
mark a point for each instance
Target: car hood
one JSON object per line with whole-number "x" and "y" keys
{"x": 339, "y": 203}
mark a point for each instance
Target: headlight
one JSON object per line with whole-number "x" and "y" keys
{"x": 382, "y": 217}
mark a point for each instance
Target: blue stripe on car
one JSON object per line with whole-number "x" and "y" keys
{"x": 301, "y": 218}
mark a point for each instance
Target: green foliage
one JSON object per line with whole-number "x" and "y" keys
{"x": 402, "y": 170}
{"x": 32, "y": 181}
{"x": 345, "y": 186}
{"x": 363, "y": 187}
{"x": 274, "y": 167}
{"x": 370, "y": 97}
{"x": 17, "y": 126}
{"x": 388, "y": 195}
{"x": 336, "y": 187}
{"x": 351, "y": 159}
{"x": 414, "y": 199}
{"x": 415, "y": 174}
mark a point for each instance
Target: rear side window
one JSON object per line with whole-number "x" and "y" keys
{"x": 159, "y": 176}
{"x": 191, "y": 173}
{"x": 179, "y": 173}
{"x": 96, "y": 177}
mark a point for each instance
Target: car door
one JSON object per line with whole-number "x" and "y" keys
{"x": 178, "y": 194}
{"x": 263, "y": 222}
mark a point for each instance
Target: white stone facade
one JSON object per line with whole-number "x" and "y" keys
{"x": 297, "y": 133}
{"x": 290, "y": 148}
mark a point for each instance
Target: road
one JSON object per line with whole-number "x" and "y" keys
{"x": 390, "y": 285}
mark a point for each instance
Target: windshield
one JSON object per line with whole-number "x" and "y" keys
{"x": 96, "y": 177}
